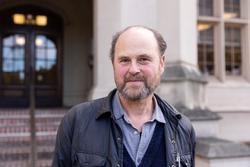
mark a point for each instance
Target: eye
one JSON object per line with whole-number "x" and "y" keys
{"x": 144, "y": 60}
{"x": 124, "y": 60}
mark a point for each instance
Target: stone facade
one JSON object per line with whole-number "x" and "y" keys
{"x": 218, "y": 105}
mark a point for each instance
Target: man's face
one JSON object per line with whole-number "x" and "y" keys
{"x": 137, "y": 64}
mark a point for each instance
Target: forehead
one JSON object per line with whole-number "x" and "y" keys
{"x": 136, "y": 39}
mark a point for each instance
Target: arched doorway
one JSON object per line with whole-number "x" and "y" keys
{"x": 30, "y": 51}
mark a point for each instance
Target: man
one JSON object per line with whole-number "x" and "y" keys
{"x": 132, "y": 126}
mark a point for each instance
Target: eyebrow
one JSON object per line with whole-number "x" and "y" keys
{"x": 122, "y": 57}
{"x": 144, "y": 55}
{"x": 141, "y": 55}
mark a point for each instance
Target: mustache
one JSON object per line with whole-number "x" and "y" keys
{"x": 134, "y": 78}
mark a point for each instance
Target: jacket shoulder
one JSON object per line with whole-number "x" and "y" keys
{"x": 177, "y": 118}
{"x": 68, "y": 130}
{"x": 184, "y": 122}
{"x": 84, "y": 110}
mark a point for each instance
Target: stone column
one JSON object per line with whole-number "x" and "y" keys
{"x": 182, "y": 83}
{"x": 111, "y": 16}
{"x": 246, "y": 42}
{"x": 107, "y": 20}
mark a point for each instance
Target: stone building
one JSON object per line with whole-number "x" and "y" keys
{"x": 62, "y": 47}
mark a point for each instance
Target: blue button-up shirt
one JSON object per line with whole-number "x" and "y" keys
{"x": 136, "y": 142}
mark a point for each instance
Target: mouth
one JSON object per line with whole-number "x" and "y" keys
{"x": 134, "y": 83}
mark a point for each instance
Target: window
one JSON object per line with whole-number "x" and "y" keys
{"x": 231, "y": 9}
{"x": 233, "y": 51}
{"x": 46, "y": 60}
{"x": 220, "y": 50}
{"x": 13, "y": 59}
{"x": 206, "y": 48}
{"x": 29, "y": 19}
{"x": 206, "y": 7}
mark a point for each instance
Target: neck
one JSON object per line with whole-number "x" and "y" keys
{"x": 139, "y": 111}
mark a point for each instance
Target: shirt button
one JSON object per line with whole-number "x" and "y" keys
{"x": 118, "y": 138}
{"x": 135, "y": 132}
{"x": 173, "y": 166}
{"x": 117, "y": 165}
{"x": 173, "y": 141}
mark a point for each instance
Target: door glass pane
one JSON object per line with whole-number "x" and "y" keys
{"x": 40, "y": 53}
{"x": 40, "y": 65}
{"x": 40, "y": 41}
{"x": 19, "y": 65}
{"x": 50, "y": 44}
{"x": 8, "y": 41}
{"x": 46, "y": 61}
{"x": 8, "y": 65}
{"x": 13, "y": 64}
{"x": 51, "y": 54}
{"x": 51, "y": 65}
{"x": 19, "y": 40}
{"x": 7, "y": 53}
{"x": 19, "y": 53}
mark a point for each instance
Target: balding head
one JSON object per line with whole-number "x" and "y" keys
{"x": 158, "y": 37}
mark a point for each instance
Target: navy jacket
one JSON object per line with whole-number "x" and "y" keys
{"x": 89, "y": 136}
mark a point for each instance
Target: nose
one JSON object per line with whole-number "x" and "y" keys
{"x": 134, "y": 68}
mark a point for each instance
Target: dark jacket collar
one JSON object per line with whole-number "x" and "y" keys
{"x": 106, "y": 108}
{"x": 168, "y": 111}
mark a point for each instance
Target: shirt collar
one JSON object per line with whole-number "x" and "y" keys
{"x": 119, "y": 111}
{"x": 117, "y": 107}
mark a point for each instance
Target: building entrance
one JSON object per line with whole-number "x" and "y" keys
{"x": 30, "y": 53}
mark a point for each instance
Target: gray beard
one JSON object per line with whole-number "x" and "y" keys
{"x": 145, "y": 92}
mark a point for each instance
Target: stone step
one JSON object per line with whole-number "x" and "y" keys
{"x": 25, "y": 140}
{"x": 15, "y": 141}
{"x": 18, "y": 122}
{"x": 51, "y": 127}
{"x": 25, "y": 112}
{"x": 41, "y": 137}
{"x": 22, "y": 118}
{"x": 216, "y": 152}
{"x": 20, "y": 163}
{"x": 23, "y": 152}
{"x": 25, "y": 116}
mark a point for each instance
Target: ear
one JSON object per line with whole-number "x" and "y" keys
{"x": 162, "y": 63}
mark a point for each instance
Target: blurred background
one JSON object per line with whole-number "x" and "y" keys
{"x": 55, "y": 54}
